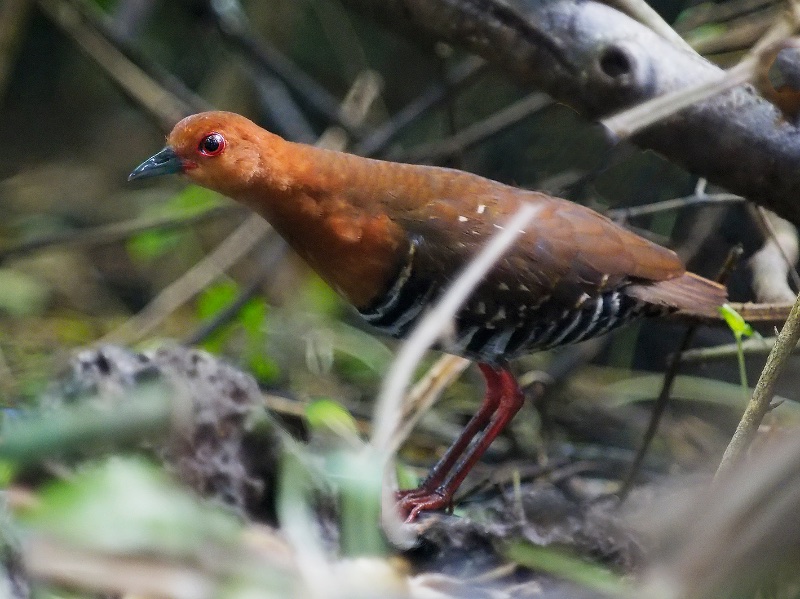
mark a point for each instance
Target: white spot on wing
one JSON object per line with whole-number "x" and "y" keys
{"x": 500, "y": 315}
{"x": 582, "y": 300}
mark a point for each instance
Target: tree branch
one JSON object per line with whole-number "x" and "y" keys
{"x": 598, "y": 61}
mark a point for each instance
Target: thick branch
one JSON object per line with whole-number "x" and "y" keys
{"x": 598, "y": 60}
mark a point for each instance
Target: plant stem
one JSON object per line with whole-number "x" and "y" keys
{"x": 759, "y": 404}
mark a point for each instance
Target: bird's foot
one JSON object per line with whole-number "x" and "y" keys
{"x": 414, "y": 501}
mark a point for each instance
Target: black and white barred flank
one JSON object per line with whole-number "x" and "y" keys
{"x": 495, "y": 337}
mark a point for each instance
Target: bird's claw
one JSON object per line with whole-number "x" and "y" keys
{"x": 414, "y": 501}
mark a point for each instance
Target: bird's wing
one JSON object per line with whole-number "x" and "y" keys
{"x": 567, "y": 252}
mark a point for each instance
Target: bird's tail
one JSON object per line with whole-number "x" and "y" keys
{"x": 689, "y": 293}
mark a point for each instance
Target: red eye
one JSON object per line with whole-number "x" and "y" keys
{"x": 212, "y": 144}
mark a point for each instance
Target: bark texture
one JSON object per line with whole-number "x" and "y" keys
{"x": 599, "y": 61}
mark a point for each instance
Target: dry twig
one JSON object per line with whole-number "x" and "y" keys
{"x": 759, "y": 404}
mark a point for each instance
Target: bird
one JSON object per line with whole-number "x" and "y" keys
{"x": 390, "y": 237}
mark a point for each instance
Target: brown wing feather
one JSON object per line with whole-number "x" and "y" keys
{"x": 566, "y": 251}
{"x": 691, "y": 293}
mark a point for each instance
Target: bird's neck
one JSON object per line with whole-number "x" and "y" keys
{"x": 332, "y": 209}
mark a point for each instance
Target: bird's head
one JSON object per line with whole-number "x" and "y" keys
{"x": 219, "y": 150}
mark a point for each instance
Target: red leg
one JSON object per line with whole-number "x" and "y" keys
{"x": 475, "y": 425}
{"x": 504, "y": 400}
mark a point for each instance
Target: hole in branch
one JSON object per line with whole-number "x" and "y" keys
{"x": 615, "y": 62}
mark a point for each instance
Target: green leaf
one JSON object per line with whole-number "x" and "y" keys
{"x": 560, "y": 563}
{"x": 264, "y": 368}
{"x": 149, "y": 245}
{"x": 251, "y": 320}
{"x": 211, "y": 301}
{"x": 735, "y": 322}
{"x": 252, "y": 317}
{"x": 406, "y": 477}
{"x": 328, "y": 415}
{"x": 215, "y": 298}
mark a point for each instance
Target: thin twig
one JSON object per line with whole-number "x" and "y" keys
{"x": 109, "y": 28}
{"x": 642, "y": 12}
{"x": 236, "y": 31}
{"x": 280, "y": 110}
{"x": 435, "y": 324}
{"x": 426, "y": 392}
{"x": 158, "y": 101}
{"x": 750, "y": 347}
{"x": 751, "y": 312}
{"x": 628, "y": 122}
{"x": 229, "y": 312}
{"x": 116, "y": 231}
{"x": 713, "y": 199}
{"x": 461, "y": 76}
{"x": 759, "y": 404}
{"x": 656, "y": 414}
{"x": 235, "y": 247}
{"x": 717, "y": 13}
{"x": 106, "y": 572}
{"x": 478, "y": 132}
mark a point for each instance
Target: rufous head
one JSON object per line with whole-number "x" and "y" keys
{"x": 219, "y": 150}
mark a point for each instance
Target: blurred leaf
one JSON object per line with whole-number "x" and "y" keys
{"x": 106, "y": 4}
{"x": 74, "y": 329}
{"x": 20, "y": 294}
{"x": 558, "y": 562}
{"x": 191, "y": 200}
{"x": 128, "y": 505}
{"x": 706, "y": 32}
{"x": 215, "y": 298}
{"x": 366, "y": 349}
{"x": 319, "y": 351}
{"x": 149, "y": 245}
{"x": 251, "y": 319}
{"x": 7, "y": 472}
{"x": 358, "y": 475}
{"x": 211, "y": 301}
{"x": 263, "y": 368}
{"x": 328, "y": 415}
{"x": 687, "y": 388}
{"x": 143, "y": 412}
{"x": 320, "y": 298}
